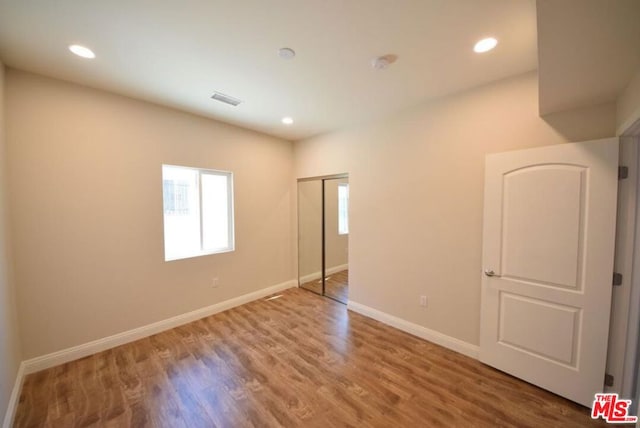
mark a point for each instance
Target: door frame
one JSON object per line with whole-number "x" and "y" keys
{"x": 620, "y": 326}
{"x": 629, "y": 255}
{"x": 631, "y": 381}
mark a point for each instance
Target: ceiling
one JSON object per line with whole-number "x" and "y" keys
{"x": 177, "y": 53}
{"x": 588, "y": 51}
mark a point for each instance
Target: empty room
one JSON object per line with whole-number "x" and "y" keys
{"x": 363, "y": 213}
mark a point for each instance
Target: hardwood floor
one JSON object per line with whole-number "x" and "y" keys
{"x": 336, "y": 286}
{"x": 298, "y": 360}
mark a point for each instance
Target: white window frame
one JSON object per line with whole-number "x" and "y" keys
{"x": 230, "y": 212}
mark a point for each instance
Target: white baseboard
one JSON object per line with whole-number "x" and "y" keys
{"x": 318, "y": 275}
{"x": 310, "y": 277}
{"x": 425, "y": 333}
{"x": 60, "y": 357}
{"x": 15, "y": 395}
{"x": 336, "y": 269}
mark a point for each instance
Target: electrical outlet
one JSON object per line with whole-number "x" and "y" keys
{"x": 215, "y": 282}
{"x": 423, "y": 301}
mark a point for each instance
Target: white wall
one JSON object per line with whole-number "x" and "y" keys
{"x": 86, "y": 199}
{"x": 416, "y": 195}
{"x": 628, "y": 105}
{"x": 10, "y": 355}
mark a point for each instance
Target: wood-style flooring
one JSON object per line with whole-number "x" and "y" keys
{"x": 336, "y": 286}
{"x": 300, "y": 360}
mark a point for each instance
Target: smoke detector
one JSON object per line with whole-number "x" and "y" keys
{"x": 286, "y": 53}
{"x": 383, "y": 62}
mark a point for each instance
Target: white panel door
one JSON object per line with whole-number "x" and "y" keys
{"x": 548, "y": 246}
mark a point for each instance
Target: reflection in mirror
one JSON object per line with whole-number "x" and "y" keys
{"x": 336, "y": 238}
{"x": 310, "y": 235}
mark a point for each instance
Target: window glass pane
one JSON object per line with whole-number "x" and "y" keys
{"x": 198, "y": 211}
{"x": 181, "y": 212}
{"x": 343, "y": 209}
{"x": 215, "y": 212}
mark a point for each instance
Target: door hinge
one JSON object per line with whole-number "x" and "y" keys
{"x": 623, "y": 172}
{"x": 617, "y": 278}
{"x": 608, "y": 379}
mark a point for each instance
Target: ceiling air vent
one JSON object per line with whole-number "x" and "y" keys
{"x": 225, "y": 99}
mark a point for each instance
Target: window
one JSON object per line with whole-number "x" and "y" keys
{"x": 198, "y": 212}
{"x": 343, "y": 209}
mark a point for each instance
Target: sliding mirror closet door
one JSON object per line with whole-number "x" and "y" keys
{"x": 336, "y": 238}
{"x": 310, "y": 235}
{"x": 323, "y": 236}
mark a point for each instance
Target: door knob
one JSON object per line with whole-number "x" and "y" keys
{"x": 489, "y": 272}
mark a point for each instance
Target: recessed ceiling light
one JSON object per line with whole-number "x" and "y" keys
{"x": 485, "y": 45}
{"x": 82, "y": 51}
{"x": 287, "y": 120}
{"x": 286, "y": 53}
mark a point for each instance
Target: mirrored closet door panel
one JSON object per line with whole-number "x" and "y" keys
{"x": 310, "y": 235}
{"x": 336, "y": 238}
